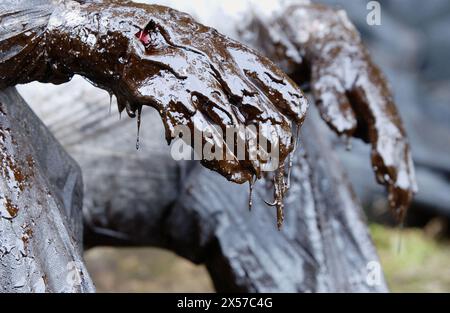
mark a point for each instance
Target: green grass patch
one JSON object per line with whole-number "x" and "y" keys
{"x": 412, "y": 261}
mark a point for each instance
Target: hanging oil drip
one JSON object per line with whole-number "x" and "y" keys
{"x": 251, "y": 185}
{"x": 280, "y": 189}
{"x": 291, "y": 156}
{"x": 139, "y": 112}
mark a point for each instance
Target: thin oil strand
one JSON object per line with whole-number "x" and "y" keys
{"x": 139, "y": 113}
{"x": 280, "y": 186}
{"x": 291, "y": 156}
{"x": 251, "y": 185}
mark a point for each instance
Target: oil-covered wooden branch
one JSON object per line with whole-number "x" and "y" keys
{"x": 319, "y": 46}
{"x": 153, "y": 55}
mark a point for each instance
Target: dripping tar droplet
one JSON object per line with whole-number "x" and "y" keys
{"x": 280, "y": 189}
{"x": 139, "y": 111}
{"x": 291, "y": 156}
{"x": 251, "y": 184}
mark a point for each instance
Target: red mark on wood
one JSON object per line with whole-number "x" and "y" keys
{"x": 143, "y": 36}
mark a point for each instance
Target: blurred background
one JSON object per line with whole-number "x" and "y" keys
{"x": 412, "y": 46}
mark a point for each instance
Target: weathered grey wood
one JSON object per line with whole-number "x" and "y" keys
{"x": 40, "y": 206}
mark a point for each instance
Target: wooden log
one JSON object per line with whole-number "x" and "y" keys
{"x": 40, "y": 206}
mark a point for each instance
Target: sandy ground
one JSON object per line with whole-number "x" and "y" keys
{"x": 145, "y": 270}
